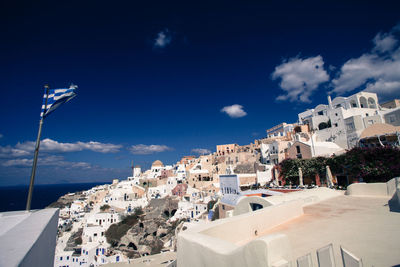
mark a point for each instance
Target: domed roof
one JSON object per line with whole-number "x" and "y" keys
{"x": 157, "y": 163}
{"x": 379, "y": 129}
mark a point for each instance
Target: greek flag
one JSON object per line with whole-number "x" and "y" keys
{"x": 56, "y": 98}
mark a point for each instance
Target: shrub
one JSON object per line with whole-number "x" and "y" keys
{"x": 78, "y": 240}
{"x": 377, "y": 164}
{"x": 104, "y": 207}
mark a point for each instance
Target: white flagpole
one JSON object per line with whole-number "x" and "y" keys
{"x": 28, "y": 202}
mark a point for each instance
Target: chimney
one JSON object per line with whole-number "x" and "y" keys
{"x": 330, "y": 102}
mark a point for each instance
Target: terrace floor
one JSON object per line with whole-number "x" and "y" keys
{"x": 363, "y": 225}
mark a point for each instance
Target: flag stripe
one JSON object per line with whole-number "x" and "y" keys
{"x": 56, "y": 97}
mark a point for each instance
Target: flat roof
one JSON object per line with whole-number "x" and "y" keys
{"x": 363, "y": 225}
{"x": 160, "y": 259}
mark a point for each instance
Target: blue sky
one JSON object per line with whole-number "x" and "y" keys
{"x": 158, "y": 80}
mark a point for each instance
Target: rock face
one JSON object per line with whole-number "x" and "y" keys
{"x": 66, "y": 200}
{"x": 74, "y": 240}
{"x": 245, "y": 168}
{"x": 153, "y": 232}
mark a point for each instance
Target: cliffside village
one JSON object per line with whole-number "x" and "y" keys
{"x": 196, "y": 190}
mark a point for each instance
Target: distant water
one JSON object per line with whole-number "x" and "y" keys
{"x": 14, "y": 197}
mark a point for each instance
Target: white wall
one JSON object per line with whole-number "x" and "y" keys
{"x": 28, "y": 239}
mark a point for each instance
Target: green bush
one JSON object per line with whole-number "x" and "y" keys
{"x": 105, "y": 207}
{"x": 378, "y": 164}
{"x": 78, "y": 240}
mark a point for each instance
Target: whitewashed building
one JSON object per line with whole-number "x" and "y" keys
{"x": 344, "y": 118}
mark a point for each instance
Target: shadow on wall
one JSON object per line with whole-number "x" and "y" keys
{"x": 394, "y": 204}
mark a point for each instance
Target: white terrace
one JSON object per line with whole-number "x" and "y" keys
{"x": 365, "y": 221}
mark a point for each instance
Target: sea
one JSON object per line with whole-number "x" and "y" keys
{"x": 14, "y": 198}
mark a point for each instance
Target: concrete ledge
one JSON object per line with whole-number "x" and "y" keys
{"x": 374, "y": 189}
{"x": 308, "y": 196}
{"x": 264, "y": 251}
{"x": 244, "y": 226}
{"x": 31, "y": 239}
{"x": 364, "y": 189}
{"x": 233, "y": 241}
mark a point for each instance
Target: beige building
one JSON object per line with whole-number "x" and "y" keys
{"x": 299, "y": 150}
{"x": 138, "y": 191}
{"x": 393, "y": 117}
{"x": 395, "y": 103}
{"x": 201, "y": 172}
{"x": 98, "y": 196}
{"x": 226, "y": 149}
{"x": 380, "y": 135}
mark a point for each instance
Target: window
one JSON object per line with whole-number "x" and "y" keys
{"x": 370, "y": 122}
{"x": 223, "y": 207}
{"x": 321, "y": 113}
{"x": 256, "y": 206}
{"x": 363, "y": 102}
{"x": 60, "y": 258}
{"x": 336, "y": 125}
{"x": 298, "y": 149}
{"x": 350, "y": 126}
{"x": 336, "y": 114}
{"x": 371, "y": 103}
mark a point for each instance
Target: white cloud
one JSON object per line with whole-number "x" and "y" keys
{"x": 384, "y": 42}
{"x": 300, "y": 78}
{"x": 10, "y": 152}
{"x": 17, "y": 162}
{"x": 55, "y": 161}
{"x": 1, "y": 136}
{"x": 163, "y": 39}
{"x": 201, "y": 151}
{"x": 234, "y": 111}
{"x": 148, "y": 149}
{"x": 376, "y": 71}
{"x": 48, "y": 145}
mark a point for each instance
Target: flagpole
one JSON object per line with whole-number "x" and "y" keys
{"x": 28, "y": 202}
